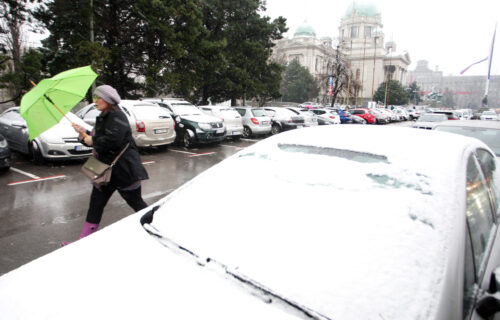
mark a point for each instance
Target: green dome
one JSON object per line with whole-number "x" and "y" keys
{"x": 305, "y": 30}
{"x": 363, "y": 9}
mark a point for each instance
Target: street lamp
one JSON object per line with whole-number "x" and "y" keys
{"x": 375, "y": 38}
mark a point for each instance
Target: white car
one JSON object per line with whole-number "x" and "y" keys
{"x": 231, "y": 118}
{"x": 489, "y": 115}
{"x": 432, "y": 254}
{"x": 57, "y": 143}
{"x": 429, "y": 120}
{"x": 151, "y": 125}
{"x": 310, "y": 118}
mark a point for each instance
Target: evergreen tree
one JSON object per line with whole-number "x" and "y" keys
{"x": 298, "y": 84}
{"x": 414, "y": 93}
{"x": 396, "y": 94}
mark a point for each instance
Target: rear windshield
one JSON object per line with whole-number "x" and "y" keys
{"x": 149, "y": 112}
{"x": 185, "y": 109}
{"x": 229, "y": 113}
{"x": 259, "y": 113}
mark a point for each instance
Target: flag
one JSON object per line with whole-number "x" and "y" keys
{"x": 482, "y": 60}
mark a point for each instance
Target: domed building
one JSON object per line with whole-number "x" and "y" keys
{"x": 371, "y": 60}
{"x": 361, "y": 41}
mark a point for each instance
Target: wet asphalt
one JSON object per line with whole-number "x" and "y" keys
{"x": 42, "y": 205}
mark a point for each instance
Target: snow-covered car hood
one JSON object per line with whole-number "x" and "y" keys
{"x": 203, "y": 118}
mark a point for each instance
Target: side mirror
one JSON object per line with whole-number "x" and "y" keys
{"x": 177, "y": 119}
{"x": 489, "y": 304}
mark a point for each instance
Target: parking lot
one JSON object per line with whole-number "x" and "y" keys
{"x": 43, "y": 205}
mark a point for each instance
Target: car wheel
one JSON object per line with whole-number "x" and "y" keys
{"x": 363, "y": 121}
{"x": 186, "y": 139}
{"x": 247, "y": 132}
{"x": 275, "y": 129}
{"x": 36, "y": 153}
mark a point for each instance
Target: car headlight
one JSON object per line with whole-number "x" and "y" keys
{"x": 3, "y": 143}
{"x": 205, "y": 126}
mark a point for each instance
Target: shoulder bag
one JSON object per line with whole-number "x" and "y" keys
{"x": 98, "y": 172}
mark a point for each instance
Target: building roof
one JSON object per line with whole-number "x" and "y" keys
{"x": 304, "y": 30}
{"x": 361, "y": 8}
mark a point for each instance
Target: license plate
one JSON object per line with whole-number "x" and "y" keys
{"x": 220, "y": 130}
{"x": 299, "y": 126}
{"x": 82, "y": 148}
{"x": 160, "y": 131}
{"x": 265, "y": 122}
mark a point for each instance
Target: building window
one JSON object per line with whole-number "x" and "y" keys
{"x": 354, "y": 32}
{"x": 368, "y": 32}
{"x": 358, "y": 73}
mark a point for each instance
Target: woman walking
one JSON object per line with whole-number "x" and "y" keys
{"x": 110, "y": 136}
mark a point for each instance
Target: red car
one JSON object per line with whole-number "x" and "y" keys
{"x": 364, "y": 113}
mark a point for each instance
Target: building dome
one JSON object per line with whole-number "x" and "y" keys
{"x": 364, "y": 9}
{"x": 304, "y": 30}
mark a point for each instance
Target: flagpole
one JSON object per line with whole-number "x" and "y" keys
{"x": 490, "y": 58}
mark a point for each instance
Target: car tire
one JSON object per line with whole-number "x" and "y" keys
{"x": 36, "y": 153}
{"x": 247, "y": 132}
{"x": 186, "y": 139}
{"x": 363, "y": 121}
{"x": 275, "y": 129}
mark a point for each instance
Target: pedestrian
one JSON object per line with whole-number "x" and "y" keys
{"x": 109, "y": 137}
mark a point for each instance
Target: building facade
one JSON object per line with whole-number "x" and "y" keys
{"x": 361, "y": 44}
{"x": 455, "y": 91}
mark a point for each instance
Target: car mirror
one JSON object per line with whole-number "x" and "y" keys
{"x": 489, "y": 304}
{"x": 19, "y": 124}
{"x": 177, "y": 118}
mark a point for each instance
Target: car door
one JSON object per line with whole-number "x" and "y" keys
{"x": 482, "y": 248}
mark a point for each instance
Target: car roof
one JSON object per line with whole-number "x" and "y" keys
{"x": 471, "y": 124}
{"x": 408, "y": 213}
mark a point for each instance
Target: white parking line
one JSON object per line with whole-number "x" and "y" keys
{"x": 24, "y": 172}
{"x": 201, "y": 154}
{"x": 148, "y": 162}
{"x": 35, "y": 180}
{"x": 181, "y": 151}
{"x": 252, "y": 140}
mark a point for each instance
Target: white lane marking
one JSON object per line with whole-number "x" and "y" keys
{"x": 181, "y": 151}
{"x": 201, "y": 154}
{"x": 252, "y": 140}
{"x": 35, "y": 180}
{"x": 148, "y": 162}
{"x": 24, "y": 172}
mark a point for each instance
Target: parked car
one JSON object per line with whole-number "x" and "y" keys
{"x": 380, "y": 117}
{"x": 403, "y": 114}
{"x": 255, "y": 121}
{"x": 486, "y": 131}
{"x": 413, "y": 114}
{"x": 310, "y": 119}
{"x": 283, "y": 119}
{"x": 150, "y": 124}
{"x": 489, "y": 115}
{"x": 231, "y": 118}
{"x": 433, "y": 254}
{"x": 327, "y": 116}
{"x": 192, "y": 125}
{"x": 57, "y": 143}
{"x": 449, "y": 113}
{"x": 394, "y": 117}
{"x": 364, "y": 113}
{"x": 429, "y": 120}
{"x": 5, "y": 156}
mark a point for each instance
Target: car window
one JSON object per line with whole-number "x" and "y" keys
{"x": 259, "y": 113}
{"x": 357, "y": 112}
{"x": 12, "y": 115}
{"x": 149, "y": 112}
{"x": 185, "y": 109}
{"x": 90, "y": 115}
{"x": 241, "y": 111}
{"x": 480, "y": 220}
{"x": 470, "y": 287}
{"x": 229, "y": 113}
{"x": 492, "y": 176}
{"x": 294, "y": 111}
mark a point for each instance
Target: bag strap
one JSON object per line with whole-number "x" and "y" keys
{"x": 119, "y": 155}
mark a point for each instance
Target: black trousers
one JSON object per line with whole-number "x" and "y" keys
{"x": 99, "y": 199}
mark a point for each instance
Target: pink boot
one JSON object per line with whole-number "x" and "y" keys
{"x": 88, "y": 228}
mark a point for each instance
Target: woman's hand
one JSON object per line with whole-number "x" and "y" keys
{"x": 88, "y": 140}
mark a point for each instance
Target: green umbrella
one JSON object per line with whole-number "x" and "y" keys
{"x": 44, "y": 105}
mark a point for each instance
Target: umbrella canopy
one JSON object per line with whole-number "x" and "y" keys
{"x": 45, "y": 104}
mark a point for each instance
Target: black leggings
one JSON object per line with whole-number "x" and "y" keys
{"x": 99, "y": 199}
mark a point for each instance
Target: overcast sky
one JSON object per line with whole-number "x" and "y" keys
{"x": 448, "y": 34}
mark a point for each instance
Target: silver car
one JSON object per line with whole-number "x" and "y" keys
{"x": 232, "y": 119}
{"x": 151, "y": 124}
{"x": 58, "y": 143}
{"x": 310, "y": 119}
{"x": 284, "y": 119}
{"x": 429, "y": 120}
{"x": 255, "y": 121}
